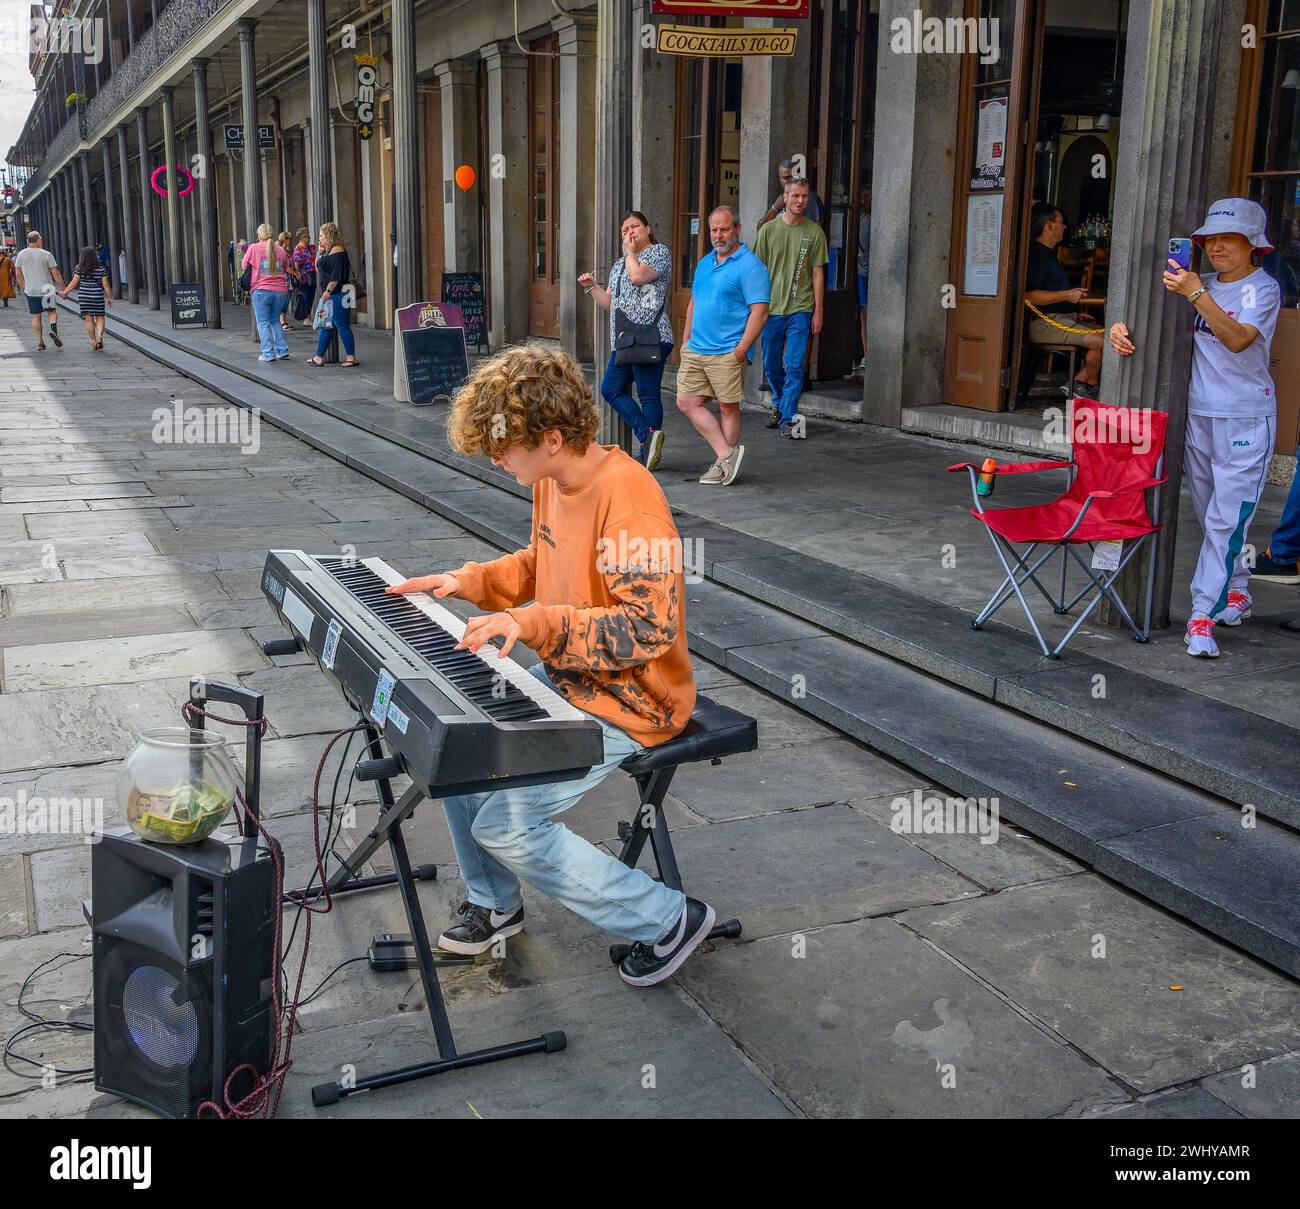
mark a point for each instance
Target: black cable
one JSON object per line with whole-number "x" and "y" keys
{"x": 321, "y": 985}
{"x": 41, "y": 1024}
{"x": 326, "y": 848}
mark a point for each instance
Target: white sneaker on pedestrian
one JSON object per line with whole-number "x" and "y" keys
{"x": 1237, "y": 609}
{"x": 1200, "y": 637}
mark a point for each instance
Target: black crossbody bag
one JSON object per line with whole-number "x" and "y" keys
{"x": 636, "y": 343}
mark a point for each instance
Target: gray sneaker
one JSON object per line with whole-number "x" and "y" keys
{"x": 730, "y": 465}
{"x": 714, "y": 475}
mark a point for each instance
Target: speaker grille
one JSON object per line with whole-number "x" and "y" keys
{"x": 153, "y": 1027}
{"x": 160, "y": 1021}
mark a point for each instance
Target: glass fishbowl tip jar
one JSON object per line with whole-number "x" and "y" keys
{"x": 177, "y": 785}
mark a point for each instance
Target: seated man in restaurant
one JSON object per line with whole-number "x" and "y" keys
{"x": 1048, "y": 289}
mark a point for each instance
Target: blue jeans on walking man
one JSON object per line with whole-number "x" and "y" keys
{"x": 266, "y": 310}
{"x": 509, "y": 834}
{"x": 785, "y": 347}
{"x": 615, "y": 389}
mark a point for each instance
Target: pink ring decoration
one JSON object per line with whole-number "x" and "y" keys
{"x": 161, "y": 190}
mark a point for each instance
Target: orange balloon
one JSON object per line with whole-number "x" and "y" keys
{"x": 465, "y": 177}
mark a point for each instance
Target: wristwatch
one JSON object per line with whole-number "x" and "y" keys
{"x": 1195, "y": 294}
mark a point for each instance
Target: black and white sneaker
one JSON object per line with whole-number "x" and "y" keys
{"x": 479, "y": 929}
{"x": 646, "y": 965}
{"x": 54, "y": 335}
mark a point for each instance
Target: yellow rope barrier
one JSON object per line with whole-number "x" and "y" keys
{"x": 1078, "y": 331}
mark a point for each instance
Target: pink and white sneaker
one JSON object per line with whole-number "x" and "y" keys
{"x": 1236, "y": 610}
{"x": 1200, "y": 637}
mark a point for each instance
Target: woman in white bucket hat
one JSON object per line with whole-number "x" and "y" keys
{"x": 1231, "y": 405}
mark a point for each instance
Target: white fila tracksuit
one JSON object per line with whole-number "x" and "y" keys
{"x": 1231, "y": 427}
{"x": 1225, "y": 461}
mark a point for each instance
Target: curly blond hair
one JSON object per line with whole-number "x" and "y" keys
{"x": 518, "y": 396}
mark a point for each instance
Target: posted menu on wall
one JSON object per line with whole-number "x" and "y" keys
{"x": 465, "y": 290}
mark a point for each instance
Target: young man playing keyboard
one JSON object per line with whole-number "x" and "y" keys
{"x": 603, "y": 573}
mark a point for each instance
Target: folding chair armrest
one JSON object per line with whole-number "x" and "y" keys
{"x": 1014, "y": 467}
{"x": 1144, "y": 485}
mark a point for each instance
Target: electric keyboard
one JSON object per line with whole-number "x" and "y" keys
{"x": 458, "y": 721}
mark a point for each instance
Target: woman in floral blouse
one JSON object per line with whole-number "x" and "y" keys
{"x": 303, "y": 259}
{"x": 638, "y": 287}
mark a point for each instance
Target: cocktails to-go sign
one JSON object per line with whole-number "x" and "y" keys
{"x": 731, "y": 8}
{"x": 725, "y": 43}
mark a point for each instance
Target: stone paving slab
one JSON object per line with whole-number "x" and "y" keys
{"x": 1268, "y": 1090}
{"x": 173, "y": 588}
{"x": 300, "y": 700}
{"x": 53, "y": 727}
{"x": 57, "y": 525}
{"x": 117, "y": 660}
{"x": 1016, "y": 859}
{"x": 614, "y": 1034}
{"x": 1036, "y": 945}
{"x": 46, "y": 628}
{"x": 872, "y": 1021}
{"x": 786, "y": 778}
{"x": 804, "y": 869}
{"x": 15, "y": 911}
{"x": 24, "y": 495}
{"x": 81, "y": 793}
{"x": 1190, "y": 1104}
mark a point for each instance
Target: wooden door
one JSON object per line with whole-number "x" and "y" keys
{"x": 986, "y": 209}
{"x": 544, "y": 165}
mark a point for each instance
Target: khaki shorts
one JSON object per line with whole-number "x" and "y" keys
{"x": 714, "y": 376}
{"x": 1042, "y": 332}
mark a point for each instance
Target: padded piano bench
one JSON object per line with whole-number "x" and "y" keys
{"x": 713, "y": 732}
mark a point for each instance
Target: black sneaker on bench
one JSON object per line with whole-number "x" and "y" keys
{"x": 646, "y": 964}
{"x": 480, "y": 928}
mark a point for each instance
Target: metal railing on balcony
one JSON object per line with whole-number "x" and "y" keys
{"x": 176, "y": 25}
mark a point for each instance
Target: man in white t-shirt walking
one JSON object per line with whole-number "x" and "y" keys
{"x": 1231, "y": 406}
{"x": 38, "y": 275}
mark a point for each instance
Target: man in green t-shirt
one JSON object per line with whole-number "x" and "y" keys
{"x": 793, "y": 248}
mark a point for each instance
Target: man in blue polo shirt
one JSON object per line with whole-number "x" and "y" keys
{"x": 729, "y": 300}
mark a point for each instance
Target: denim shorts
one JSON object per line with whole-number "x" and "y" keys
{"x": 36, "y": 304}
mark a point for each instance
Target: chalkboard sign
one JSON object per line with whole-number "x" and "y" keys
{"x": 465, "y": 290}
{"x": 436, "y": 363}
{"x": 189, "y": 307}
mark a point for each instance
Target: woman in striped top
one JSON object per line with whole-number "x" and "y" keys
{"x": 93, "y": 293}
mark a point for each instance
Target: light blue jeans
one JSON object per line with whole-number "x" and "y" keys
{"x": 510, "y": 834}
{"x": 266, "y": 310}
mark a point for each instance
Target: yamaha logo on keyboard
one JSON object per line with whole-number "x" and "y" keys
{"x": 273, "y": 587}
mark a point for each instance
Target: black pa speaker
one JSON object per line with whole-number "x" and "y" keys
{"x": 183, "y": 960}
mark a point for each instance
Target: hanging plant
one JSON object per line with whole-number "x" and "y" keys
{"x": 76, "y": 100}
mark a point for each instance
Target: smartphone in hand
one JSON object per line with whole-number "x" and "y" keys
{"x": 1180, "y": 250}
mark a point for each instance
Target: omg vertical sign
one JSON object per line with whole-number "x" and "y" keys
{"x": 367, "y": 78}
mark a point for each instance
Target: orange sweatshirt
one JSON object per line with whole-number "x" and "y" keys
{"x": 604, "y": 572}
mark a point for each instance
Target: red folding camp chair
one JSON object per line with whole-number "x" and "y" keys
{"x": 1117, "y": 453}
